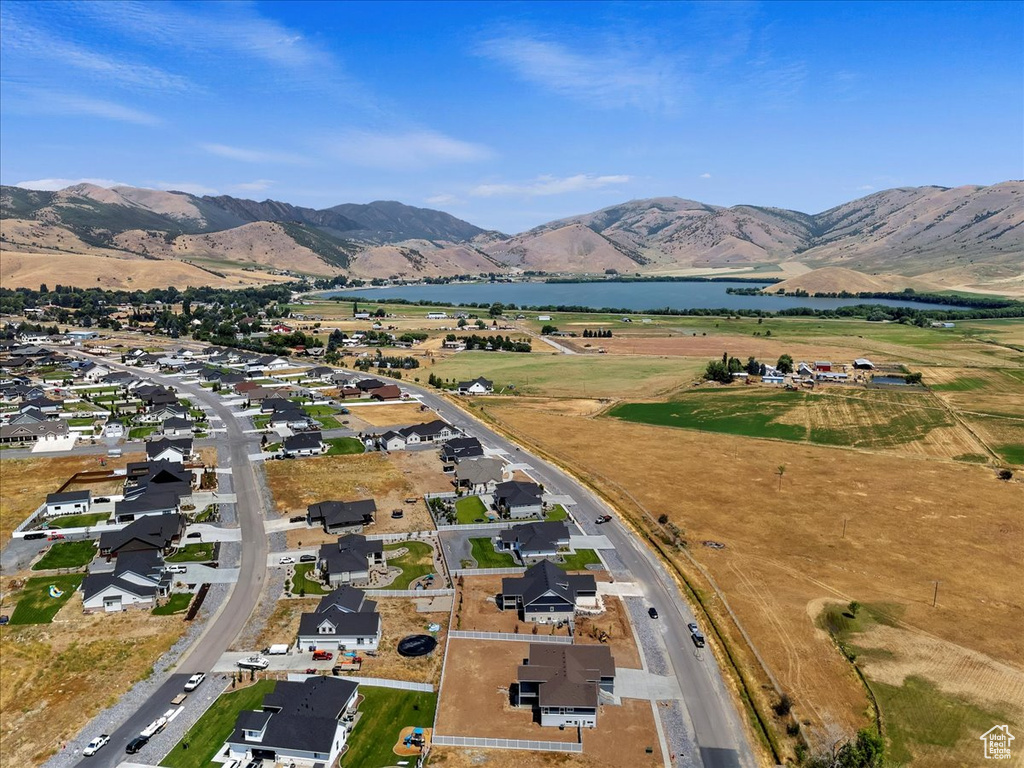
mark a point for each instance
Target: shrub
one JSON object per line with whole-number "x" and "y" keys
{"x": 662, "y": 518}
{"x": 784, "y": 706}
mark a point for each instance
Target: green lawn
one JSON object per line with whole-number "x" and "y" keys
{"x": 469, "y": 509}
{"x": 300, "y": 582}
{"x": 77, "y": 521}
{"x": 137, "y": 433}
{"x": 176, "y": 603}
{"x": 328, "y": 422}
{"x": 193, "y": 553}
{"x": 35, "y": 605}
{"x": 556, "y": 513}
{"x": 207, "y": 736}
{"x": 1012, "y": 452}
{"x": 485, "y": 556}
{"x": 205, "y": 514}
{"x": 83, "y": 422}
{"x": 67, "y": 554}
{"x": 342, "y": 446}
{"x": 385, "y": 713}
{"x": 579, "y": 560}
{"x": 260, "y": 422}
{"x": 316, "y": 411}
{"x": 417, "y": 562}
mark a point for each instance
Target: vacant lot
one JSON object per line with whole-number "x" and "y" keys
{"x": 385, "y": 713}
{"x": 53, "y": 682}
{"x": 391, "y": 415}
{"x": 479, "y": 611}
{"x": 614, "y": 627}
{"x": 785, "y": 549}
{"x": 400, "y": 618}
{"x": 28, "y": 481}
{"x": 853, "y": 418}
{"x": 283, "y": 624}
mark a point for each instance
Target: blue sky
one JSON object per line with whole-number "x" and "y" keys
{"x": 513, "y": 114}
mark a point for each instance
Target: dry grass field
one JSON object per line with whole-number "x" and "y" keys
{"x": 55, "y": 677}
{"x": 908, "y": 521}
{"x": 399, "y": 618}
{"x": 26, "y": 482}
{"x": 390, "y": 415}
{"x": 614, "y": 623}
{"x": 297, "y": 484}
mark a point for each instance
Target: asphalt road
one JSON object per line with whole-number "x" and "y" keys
{"x": 233, "y": 449}
{"x": 718, "y": 730}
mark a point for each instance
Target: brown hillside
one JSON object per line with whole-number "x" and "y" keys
{"x": 837, "y": 279}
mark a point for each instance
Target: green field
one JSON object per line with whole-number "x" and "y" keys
{"x": 385, "y": 713}
{"x": 176, "y": 603}
{"x": 469, "y": 509}
{"x": 417, "y": 562}
{"x": 852, "y": 418}
{"x": 35, "y": 606}
{"x": 193, "y": 553}
{"x": 77, "y": 521}
{"x": 302, "y": 584}
{"x": 485, "y": 556}
{"x": 68, "y": 554}
{"x": 1012, "y": 453}
{"x": 341, "y": 446}
{"x": 206, "y": 737}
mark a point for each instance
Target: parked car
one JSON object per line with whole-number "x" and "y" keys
{"x": 307, "y": 559}
{"x": 297, "y": 519}
{"x": 34, "y": 536}
{"x": 54, "y": 536}
{"x": 101, "y": 500}
{"x": 652, "y": 612}
{"x": 96, "y": 745}
{"x": 604, "y": 519}
{"x": 136, "y": 744}
{"x": 5, "y": 619}
{"x": 287, "y": 560}
{"x": 698, "y": 639}
{"x": 194, "y": 681}
{"x": 194, "y": 535}
{"x": 692, "y": 627}
{"x": 322, "y": 655}
{"x": 176, "y": 569}
{"x": 344, "y": 411}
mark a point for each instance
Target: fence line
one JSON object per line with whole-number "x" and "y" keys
{"x": 474, "y": 741}
{"x": 488, "y": 572}
{"x": 510, "y": 637}
{"x": 409, "y": 592}
{"x": 392, "y": 537}
{"x": 481, "y": 526}
{"x": 378, "y": 682}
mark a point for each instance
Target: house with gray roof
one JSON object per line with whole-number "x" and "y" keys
{"x": 479, "y": 475}
{"x": 349, "y": 559}
{"x": 518, "y": 499}
{"x": 299, "y": 723}
{"x": 344, "y": 620}
{"x": 137, "y": 581}
{"x": 68, "y": 503}
{"x": 563, "y": 683}
{"x": 304, "y": 444}
{"x": 43, "y": 432}
{"x": 156, "y": 532}
{"x": 546, "y": 593}
{"x": 337, "y": 516}
{"x": 534, "y": 539}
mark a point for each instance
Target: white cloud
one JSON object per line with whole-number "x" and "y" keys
{"x": 49, "y": 185}
{"x": 705, "y": 175}
{"x": 405, "y": 151}
{"x": 192, "y": 188}
{"x": 441, "y": 199}
{"x": 253, "y": 155}
{"x": 32, "y": 101}
{"x": 619, "y": 74}
{"x": 258, "y": 185}
{"x": 549, "y": 185}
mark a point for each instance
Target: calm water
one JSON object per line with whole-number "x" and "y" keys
{"x": 633, "y": 296}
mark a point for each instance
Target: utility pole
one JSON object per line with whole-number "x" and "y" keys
{"x": 935, "y": 596}
{"x": 844, "y": 527}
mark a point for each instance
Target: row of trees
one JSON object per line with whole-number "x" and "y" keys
{"x": 600, "y": 333}
{"x": 722, "y": 370}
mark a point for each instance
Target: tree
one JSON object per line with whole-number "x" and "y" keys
{"x": 780, "y": 472}
{"x": 662, "y": 518}
{"x": 854, "y": 607}
{"x": 497, "y": 309}
{"x": 1005, "y": 474}
{"x": 785, "y": 364}
{"x": 753, "y": 367}
{"x": 547, "y": 330}
{"x": 718, "y": 371}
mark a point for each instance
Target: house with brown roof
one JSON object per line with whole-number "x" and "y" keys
{"x": 387, "y": 392}
{"x": 563, "y": 683}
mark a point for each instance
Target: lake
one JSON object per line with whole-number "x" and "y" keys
{"x": 633, "y": 296}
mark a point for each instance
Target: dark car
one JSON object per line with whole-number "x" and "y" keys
{"x": 196, "y": 535}
{"x": 297, "y": 519}
{"x": 33, "y": 536}
{"x": 698, "y": 639}
{"x": 101, "y": 500}
{"x": 5, "y": 619}
{"x": 652, "y": 612}
{"x": 307, "y": 559}
{"x": 136, "y": 744}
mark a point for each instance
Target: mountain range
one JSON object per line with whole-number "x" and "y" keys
{"x": 966, "y": 237}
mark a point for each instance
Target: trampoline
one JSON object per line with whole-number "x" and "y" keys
{"x": 416, "y": 645}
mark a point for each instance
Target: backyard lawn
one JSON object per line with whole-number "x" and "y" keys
{"x": 470, "y": 509}
{"x": 417, "y": 562}
{"x": 485, "y": 556}
{"x": 177, "y": 603}
{"x": 36, "y": 606}
{"x": 137, "y": 433}
{"x": 341, "y": 446}
{"x": 77, "y": 521}
{"x": 207, "y": 736}
{"x": 193, "y": 553}
{"x": 556, "y": 513}
{"x": 328, "y": 422}
{"x": 300, "y": 582}
{"x": 68, "y": 554}
{"x": 579, "y": 560}
{"x": 386, "y": 712}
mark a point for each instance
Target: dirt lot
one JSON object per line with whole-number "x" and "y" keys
{"x": 26, "y": 482}
{"x": 378, "y": 416}
{"x": 480, "y": 613}
{"x": 400, "y": 618}
{"x": 909, "y": 521}
{"x": 615, "y": 623}
{"x": 475, "y": 697}
{"x": 283, "y": 624}
{"x": 388, "y": 480}
{"x": 54, "y": 678}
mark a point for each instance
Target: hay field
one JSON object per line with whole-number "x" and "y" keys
{"x": 54, "y": 678}
{"x": 26, "y": 482}
{"x": 909, "y": 520}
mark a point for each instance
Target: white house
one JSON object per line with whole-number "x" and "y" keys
{"x": 477, "y": 386}
{"x": 114, "y": 428}
{"x": 437, "y": 315}
{"x": 176, "y": 451}
{"x": 391, "y": 441}
{"x": 137, "y": 580}
{"x": 69, "y": 503}
{"x": 93, "y": 372}
{"x": 344, "y": 619}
